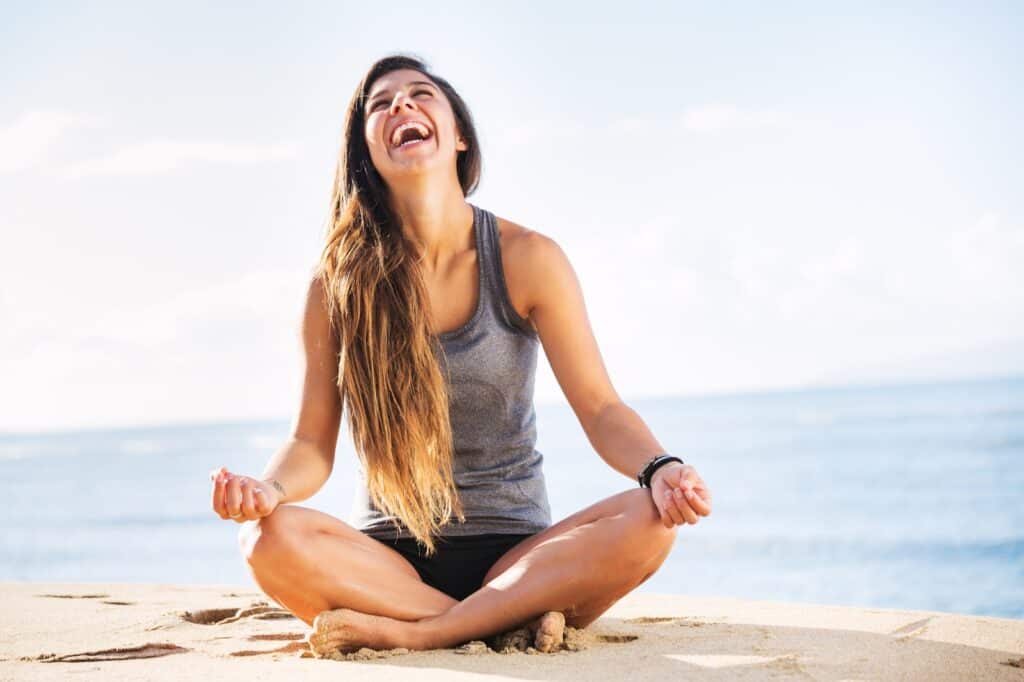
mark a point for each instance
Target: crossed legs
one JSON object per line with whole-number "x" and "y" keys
{"x": 580, "y": 566}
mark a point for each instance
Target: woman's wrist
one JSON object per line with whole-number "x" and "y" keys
{"x": 646, "y": 475}
{"x": 277, "y": 487}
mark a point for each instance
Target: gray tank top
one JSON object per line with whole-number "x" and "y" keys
{"x": 491, "y": 361}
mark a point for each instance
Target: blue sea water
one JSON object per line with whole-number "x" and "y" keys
{"x": 899, "y": 496}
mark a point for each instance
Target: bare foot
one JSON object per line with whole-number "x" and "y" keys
{"x": 346, "y": 630}
{"x": 550, "y": 631}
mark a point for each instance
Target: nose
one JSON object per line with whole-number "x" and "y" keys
{"x": 399, "y": 99}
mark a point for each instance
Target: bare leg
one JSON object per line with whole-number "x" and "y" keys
{"x": 310, "y": 562}
{"x": 580, "y": 566}
{"x": 580, "y": 569}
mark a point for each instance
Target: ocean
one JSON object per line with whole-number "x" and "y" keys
{"x": 896, "y": 496}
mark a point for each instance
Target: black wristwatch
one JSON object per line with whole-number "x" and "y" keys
{"x": 644, "y": 477}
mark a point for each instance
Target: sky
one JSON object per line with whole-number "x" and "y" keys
{"x": 753, "y": 197}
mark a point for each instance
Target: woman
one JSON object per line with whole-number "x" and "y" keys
{"x": 423, "y": 320}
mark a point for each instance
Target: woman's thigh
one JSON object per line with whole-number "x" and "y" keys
{"x": 636, "y": 502}
{"x": 305, "y": 519}
{"x": 310, "y": 561}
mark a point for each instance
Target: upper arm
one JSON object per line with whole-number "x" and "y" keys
{"x": 560, "y": 316}
{"x": 319, "y": 415}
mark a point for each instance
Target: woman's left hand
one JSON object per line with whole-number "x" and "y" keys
{"x": 679, "y": 494}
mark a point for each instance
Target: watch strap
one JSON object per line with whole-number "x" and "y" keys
{"x": 644, "y": 477}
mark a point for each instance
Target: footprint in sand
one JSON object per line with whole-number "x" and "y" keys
{"x": 88, "y": 596}
{"x": 679, "y": 620}
{"x": 287, "y": 648}
{"x": 651, "y": 619}
{"x": 911, "y": 630}
{"x": 259, "y": 610}
{"x": 116, "y": 654}
{"x": 296, "y": 642}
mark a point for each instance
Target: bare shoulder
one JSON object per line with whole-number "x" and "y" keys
{"x": 529, "y": 257}
{"x": 539, "y": 272}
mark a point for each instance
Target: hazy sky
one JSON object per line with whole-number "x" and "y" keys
{"x": 753, "y": 197}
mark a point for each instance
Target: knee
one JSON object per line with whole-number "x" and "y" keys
{"x": 267, "y": 535}
{"x": 653, "y": 540}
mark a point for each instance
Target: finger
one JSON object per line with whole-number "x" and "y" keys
{"x": 218, "y": 496}
{"x": 698, "y": 503}
{"x": 215, "y": 496}
{"x": 225, "y": 485}
{"x": 666, "y": 520}
{"x": 704, "y": 494}
{"x": 225, "y": 477}
{"x": 259, "y": 501}
{"x": 248, "y": 510}
{"x": 699, "y": 486}
{"x": 684, "y": 508}
{"x": 671, "y": 510}
{"x": 658, "y": 504}
{"x": 233, "y": 498}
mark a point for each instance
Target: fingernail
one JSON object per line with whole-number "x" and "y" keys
{"x": 678, "y": 493}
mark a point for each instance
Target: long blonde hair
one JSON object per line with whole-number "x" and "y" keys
{"x": 390, "y": 371}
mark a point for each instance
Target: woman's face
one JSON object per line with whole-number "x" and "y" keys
{"x": 396, "y": 99}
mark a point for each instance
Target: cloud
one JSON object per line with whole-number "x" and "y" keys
{"x": 26, "y": 142}
{"x": 227, "y": 348}
{"x": 263, "y": 297}
{"x": 157, "y": 156}
{"x": 715, "y": 118}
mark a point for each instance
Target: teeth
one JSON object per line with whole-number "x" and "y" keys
{"x": 397, "y": 134}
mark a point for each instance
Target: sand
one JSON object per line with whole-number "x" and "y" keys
{"x": 138, "y": 631}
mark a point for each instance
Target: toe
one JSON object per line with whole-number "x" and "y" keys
{"x": 550, "y": 632}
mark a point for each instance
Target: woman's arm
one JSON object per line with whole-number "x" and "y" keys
{"x": 304, "y": 463}
{"x": 297, "y": 470}
{"x": 616, "y": 431}
{"x": 623, "y": 439}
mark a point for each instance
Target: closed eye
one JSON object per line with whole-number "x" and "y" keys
{"x": 377, "y": 104}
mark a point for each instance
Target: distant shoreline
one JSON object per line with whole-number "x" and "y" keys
{"x": 243, "y": 422}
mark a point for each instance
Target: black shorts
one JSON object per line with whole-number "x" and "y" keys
{"x": 460, "y": 562}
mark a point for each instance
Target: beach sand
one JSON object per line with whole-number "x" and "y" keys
{"x": 139, "y": 631}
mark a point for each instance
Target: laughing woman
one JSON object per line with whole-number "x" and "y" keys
{"x": 422, "y": 323}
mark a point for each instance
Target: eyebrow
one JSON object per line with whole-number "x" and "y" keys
{"x": 385, "y": 91}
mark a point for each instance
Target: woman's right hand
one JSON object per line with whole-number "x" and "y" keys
{"x": 241, "y": 498}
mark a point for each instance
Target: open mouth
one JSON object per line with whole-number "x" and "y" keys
{"x": 410, "y": 134}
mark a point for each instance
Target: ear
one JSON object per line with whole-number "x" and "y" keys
{"x": 460, "y": 142}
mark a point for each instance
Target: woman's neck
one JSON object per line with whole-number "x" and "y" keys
{"x": 439, "y": 224}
